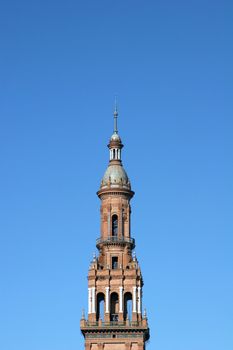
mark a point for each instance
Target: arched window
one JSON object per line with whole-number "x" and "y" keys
{"x": 128, "y": 306}
{"x": 114, "y": 153}
{"x": 115, "y": 262}
{"x": 114, "y": 309}
{"x": 100, "y": 307}
{"x": 114, "y": 225}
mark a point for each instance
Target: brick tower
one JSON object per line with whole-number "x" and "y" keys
{"x": 115, "y": 282}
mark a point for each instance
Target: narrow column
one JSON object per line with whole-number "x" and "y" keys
{"x": 122, "y": 223}
{"x": 107, "y": 299}
{"x": 120, "y": 220}
{"x": 129, "y": 220}
{"x": 87, "y": 346}
{"x": 139, "y": 300}
{"x": 109, "y": 224}
{"x": 134, "y": 299}
{"x": 89, "y": 301}
{"x": 127, "y": 346}
{"x": 93, "y": 300}
{"x": 120, "y": 299}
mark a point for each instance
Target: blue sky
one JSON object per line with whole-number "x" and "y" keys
{"x": 170, "y": 63}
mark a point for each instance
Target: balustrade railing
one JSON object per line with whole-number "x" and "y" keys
{"x": 115, "y": 239}
{"x": 114, "y": 324}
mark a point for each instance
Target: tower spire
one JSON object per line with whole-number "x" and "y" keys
{"x": 114, "y": 316}
{"x": 115, "y": 144}
{"x": 115, "y": 116}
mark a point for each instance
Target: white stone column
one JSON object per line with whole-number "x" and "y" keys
{"x": 107, "y": 299}
{"x": 93, "y": 300}
{"x": 139, "y": 300}
{"x": 89, "y": 301}
{"x": 134, "y": 299}
{"x": 120, "y": 299}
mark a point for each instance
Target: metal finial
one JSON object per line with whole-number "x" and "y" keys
{"x": 115, "y": 116}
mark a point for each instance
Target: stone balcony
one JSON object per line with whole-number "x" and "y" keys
{"x": 113, "y": 240}
{"x": 120, "y": 326}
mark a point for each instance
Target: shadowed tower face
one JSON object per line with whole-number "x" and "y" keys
{"x": 115, "y": 320}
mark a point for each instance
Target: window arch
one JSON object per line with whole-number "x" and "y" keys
{"x": 114, "y": 225}
{"x": 114, "y": 307}
{"x": 127, "y": 306}
{"x": 100, "y": 306}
